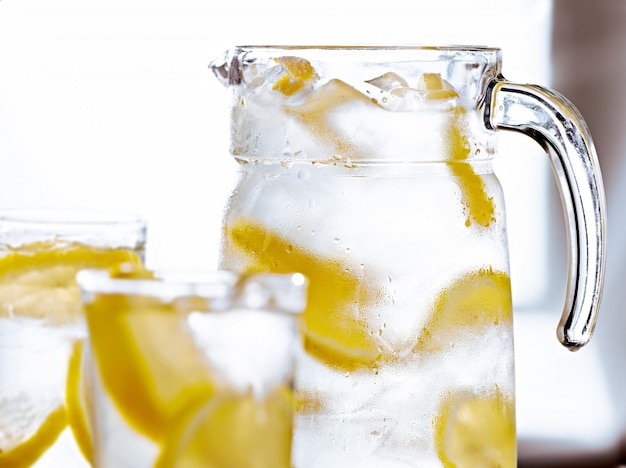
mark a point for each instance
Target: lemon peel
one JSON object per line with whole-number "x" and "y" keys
{"x": 476, "y": 430}
{"x": 38, "y": 280}
{"x": 77, "y": 402}
{"x": 336, "y": 330}
{"x": 298, "y": 71}
{"x": 30, "y": 450}
{"x": 480, "y": 298}
{"x": 235, "y": 430}
{"x": 147, "y": 382}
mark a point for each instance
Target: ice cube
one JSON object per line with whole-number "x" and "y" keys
{"x": 389, "y": 81}
{"x": 340, "y": 115}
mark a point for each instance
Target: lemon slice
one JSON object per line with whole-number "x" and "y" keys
{"x": 336, "y": 328}
{"x": 231, "y": 430}
{"x": 478, "y": 204}
{"x": 481, "y": 298}
{"x": 146, "y": 360}
{"x": 28, "y": 450}
{"x": 78, "y": 401}
{"x": 476, "y": 430}
{"x": 38, "y": 280}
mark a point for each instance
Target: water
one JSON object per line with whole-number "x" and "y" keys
{"x": 34, "y": 361}
{"x": 385, "y": 418}
{"x": 399, "y": 225}
{"x": 405, "y": 240}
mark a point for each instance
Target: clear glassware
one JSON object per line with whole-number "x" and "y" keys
{"x": 189, "y": 369}
{"x": 42, "y": 329}
{"x": 368, "y": 169}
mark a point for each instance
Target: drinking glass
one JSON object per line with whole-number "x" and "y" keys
{"x": 192, "y": 370}
{"x": 42, "y": 414}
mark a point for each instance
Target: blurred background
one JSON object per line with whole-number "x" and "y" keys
{"x": 110, "y": 105}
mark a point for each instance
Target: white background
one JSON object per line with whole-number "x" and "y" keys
{"x": 110, "y": 104}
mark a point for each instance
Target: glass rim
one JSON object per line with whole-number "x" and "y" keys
{"x": 222, "y": 289}
{"x": 69, "y": 217}
{"x": 356, "y": 53}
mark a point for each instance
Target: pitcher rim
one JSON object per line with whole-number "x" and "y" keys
{"x": 373, "y": 47}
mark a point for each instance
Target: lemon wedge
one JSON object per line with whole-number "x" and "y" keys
{"x": 147, "y": 362}
{"x": 29, "y": 450}
{"x": 476, "y": 430}
{"x": 437, "y": 87}
{"x": 478, "y": 299}
{"x": 232, "y": 430}
{"x": 478, "y": 204}
{"x": 78, "y": 400}
{"x": 38, "y": 280}
{"x": 336, "y": 330}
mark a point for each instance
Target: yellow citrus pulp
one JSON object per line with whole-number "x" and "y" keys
{"x": 336, "y": 329}
{"x": 30, "y": 448}
{"x": 298, "y": 72}
{"x": 472, "y": 430}
{"x": 163, "y": 386}
{"x": 476, "y": 430}
{"x": 230, "y": 429}
{"x": 38, "y": 281}
{"x": 148, "y": 365}
{"x": 479, "y": 299}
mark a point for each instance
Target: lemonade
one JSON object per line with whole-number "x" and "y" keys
{"x": 369, "y": 171}
{"x": 43, "y": 421}
{"x": 194, "y": 371}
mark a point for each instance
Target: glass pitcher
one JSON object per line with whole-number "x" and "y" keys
{"x": 369, "y": 169}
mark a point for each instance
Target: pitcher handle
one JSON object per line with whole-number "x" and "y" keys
{"x": 552, "y": 120}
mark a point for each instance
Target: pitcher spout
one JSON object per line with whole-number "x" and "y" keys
{"x": 226, "y": 68}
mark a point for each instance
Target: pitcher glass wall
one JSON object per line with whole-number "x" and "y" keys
{"x": 368, "y": 169}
